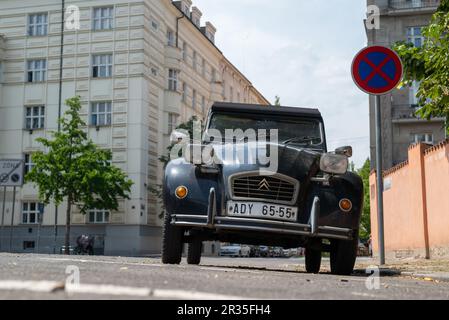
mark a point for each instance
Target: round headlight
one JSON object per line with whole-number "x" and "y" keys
{"x": 334, "y": 163}
{"x": 181, "y": 192}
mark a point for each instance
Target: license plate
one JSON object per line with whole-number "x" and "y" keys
{"x": 262, "y": 210}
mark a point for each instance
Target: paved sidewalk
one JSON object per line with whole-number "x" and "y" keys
{"x": 430, "y": 270}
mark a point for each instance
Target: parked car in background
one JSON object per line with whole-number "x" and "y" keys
{"x": 286, "y": 253}
{"x": 277, "y": 252}
{"x": 254, "y": 252}
{"x": 264, "y": 251}
{"x": 235, "y": 250}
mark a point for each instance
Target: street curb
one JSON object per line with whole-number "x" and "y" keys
{"x": 386, "y": 272}
{"x": 427, "y": 276}
{"x": 382, "y": 272}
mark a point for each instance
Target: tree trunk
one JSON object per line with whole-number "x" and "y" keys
{"x": 67, "y": 225}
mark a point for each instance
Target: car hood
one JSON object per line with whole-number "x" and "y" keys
{"x": 294, "y": 161}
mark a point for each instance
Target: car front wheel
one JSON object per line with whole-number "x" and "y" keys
{"x": 172, "y": 242}
{"x": 313, "y": 259}
{"x": 194, "y": 252}
{"x": 343, "y": 256}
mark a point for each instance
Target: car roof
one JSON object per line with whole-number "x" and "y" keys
{"x": 264, "y": 109}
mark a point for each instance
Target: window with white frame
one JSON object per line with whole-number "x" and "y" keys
{"x": 214, "y": 75}
{"x": 186, "y": 10}
{"x": 102, "y": 66}
{"x": 173, "y": 80}
{"x": 223, "y": 89}
{"x": 203, "y": 105}
{"x": 203, "y": 68}
{"x": 421, "y": 137}
{"x": 171, "y": 39}
{"x": 36, "y": 70}
{"x": 172, "y": 122}
{"x": 231, "y": 94}
{"x": 98, "y": 216}
{"x": 238, "y": 96}
{"x": 34, "y": 117}
{"x": 195, "y": 62}
{"x": 101, "y": 113}
{"x": 211, "y": 37}
{"x": 184, "y": 51}
{"x": 29, "y": 164}
{"x": 414, "y": 36}
{"x": 414, "y": 101}
{"x": 37, "y": 24}
{"x": 194, "y": 99}
{"x": 154, "y": 25}
{"x": 103, "y": 18}
{"x": 184, "y": 92}
{"x": 30, "y": 212}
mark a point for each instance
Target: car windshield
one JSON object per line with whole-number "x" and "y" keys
{"x": 290, "y": 130}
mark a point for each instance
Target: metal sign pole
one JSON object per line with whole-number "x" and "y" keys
{"x": 3, "y": 218}
{"x": 12, "y": 218}
{"x": 380, "y": 187}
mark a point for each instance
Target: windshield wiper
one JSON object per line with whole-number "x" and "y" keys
{"x": 301, "y": 140}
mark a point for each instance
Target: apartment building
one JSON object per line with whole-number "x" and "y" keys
{"x": 402, "y": 20}
{"x": 141, "y": 67}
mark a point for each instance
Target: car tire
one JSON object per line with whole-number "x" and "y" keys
{"x": 194, "y": 252}
{"x": 172, "y": 242}
{"x": 313, "y": 260}
{"x": 342, "y": 256}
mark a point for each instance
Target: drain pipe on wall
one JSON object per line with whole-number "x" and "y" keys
{"x": 177, "y": 29}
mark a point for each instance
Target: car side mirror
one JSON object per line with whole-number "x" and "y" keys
{"x": 178, "y": 136}
{"x": 344, "y": 151}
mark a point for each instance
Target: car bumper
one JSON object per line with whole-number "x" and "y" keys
{"x": 214, "y": 222}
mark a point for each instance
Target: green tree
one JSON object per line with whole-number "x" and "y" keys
{"x": 157, "y": 189}
{"x": 429, "y": 64}
{"x": 365, "y": 229}
{"x": 188, "y": 126}
{"x": 73, "y": 168}
{"x": 277, "y": 101}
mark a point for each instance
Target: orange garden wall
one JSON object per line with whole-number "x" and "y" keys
{"x": 416, "y": 204}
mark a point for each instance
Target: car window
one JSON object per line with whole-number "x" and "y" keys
{"x": 288, "y": 127}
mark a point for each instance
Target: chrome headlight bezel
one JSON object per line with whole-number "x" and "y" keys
{"x": 334, "y": 163}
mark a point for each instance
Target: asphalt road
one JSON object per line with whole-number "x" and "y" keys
{"x": 45, "y": 276}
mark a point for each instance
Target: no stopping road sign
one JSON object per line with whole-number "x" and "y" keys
{"x": 377, "y": 70}
{"x": 11, "y": 172}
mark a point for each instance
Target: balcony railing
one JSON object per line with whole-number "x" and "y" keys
{"x": 402, "y": 112}
{"x": 413, "y": 4}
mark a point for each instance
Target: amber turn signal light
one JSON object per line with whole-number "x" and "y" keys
{"x": 181, "y": 192}
{"x": 345, "y": 205}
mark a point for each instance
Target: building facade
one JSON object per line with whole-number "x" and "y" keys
{"x": 141, "y": 67}
{"x": 402, "y": 20}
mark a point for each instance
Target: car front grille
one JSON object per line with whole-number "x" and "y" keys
{"x": 272, "y": 188}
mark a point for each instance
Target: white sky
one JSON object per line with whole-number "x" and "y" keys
{"x": 302, "y": 51}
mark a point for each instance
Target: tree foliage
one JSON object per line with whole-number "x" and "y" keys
{"x": 429, "y": 64}
{"x": 365, "y": 229}
{"x": 157, "y": 189}
{"x": 73, "y": 168}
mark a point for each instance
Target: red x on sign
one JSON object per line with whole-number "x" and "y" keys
{"x": 377, "y": 70}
